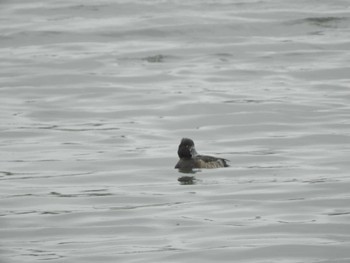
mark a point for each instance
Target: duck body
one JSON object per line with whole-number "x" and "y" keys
{"x": 190, "y": 159}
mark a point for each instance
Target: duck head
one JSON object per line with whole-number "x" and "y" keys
{"x": 186, "y": 149}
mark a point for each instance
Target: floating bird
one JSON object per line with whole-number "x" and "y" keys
{"x": 190, "y": 159}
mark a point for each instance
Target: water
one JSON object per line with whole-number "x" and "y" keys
{"x": 96, "y": 96}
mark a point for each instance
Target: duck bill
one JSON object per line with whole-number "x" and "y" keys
{"x": 193, "y": 151}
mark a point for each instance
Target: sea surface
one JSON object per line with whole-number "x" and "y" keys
{"x": 95, "y": 97}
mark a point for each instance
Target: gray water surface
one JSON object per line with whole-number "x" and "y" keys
{"x": 96, "y": 96}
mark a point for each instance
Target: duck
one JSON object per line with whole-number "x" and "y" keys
{"x": 190, "y": 159}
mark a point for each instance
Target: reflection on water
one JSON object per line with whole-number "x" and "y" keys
{"x": 95, "y": 96}
{"x": 187, "y": 180}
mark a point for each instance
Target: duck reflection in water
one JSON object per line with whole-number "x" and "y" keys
{"x": 190, "y": 159}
